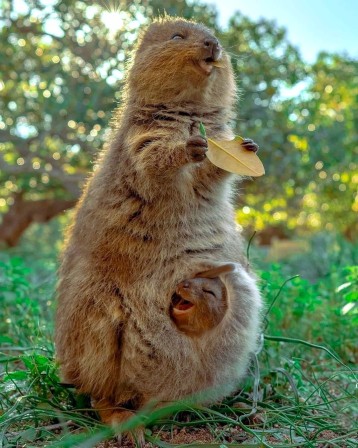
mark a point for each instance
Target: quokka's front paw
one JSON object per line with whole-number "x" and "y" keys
{"x": 197, "y": 147}
{"x": 250, "y": 145}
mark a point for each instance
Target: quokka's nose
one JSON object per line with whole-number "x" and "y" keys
{"x": 214, "y": 47}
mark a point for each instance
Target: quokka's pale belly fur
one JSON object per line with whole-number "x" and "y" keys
{"x": 172, "y": 365}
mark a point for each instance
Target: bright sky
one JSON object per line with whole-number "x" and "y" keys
{"x": 312, "y": 25}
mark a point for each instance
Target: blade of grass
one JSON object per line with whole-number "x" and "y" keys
{"x": 308, "y": 344}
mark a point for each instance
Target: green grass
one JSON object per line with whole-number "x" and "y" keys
{"x": 299, "y": 392}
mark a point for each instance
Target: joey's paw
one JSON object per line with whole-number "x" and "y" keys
{"x": 250, "y": 145}
{"x": 197, "y": 147}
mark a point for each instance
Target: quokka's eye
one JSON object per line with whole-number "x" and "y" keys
{"x": 177, "y": 36}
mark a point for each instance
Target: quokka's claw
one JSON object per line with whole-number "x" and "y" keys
{"x": 250, "y": 145}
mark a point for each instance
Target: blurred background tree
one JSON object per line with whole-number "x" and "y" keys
{"x": 61, "y": 73}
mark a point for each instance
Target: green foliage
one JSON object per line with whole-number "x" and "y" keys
{"x": 313, "y": 305}
{"x": 311, "y": 311}
{"x": 24, "y": 304}
{"x": 54, "y": 110}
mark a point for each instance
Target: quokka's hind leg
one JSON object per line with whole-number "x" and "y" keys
{"x": 89, "y": 339}
{"x": 114, "y": 416}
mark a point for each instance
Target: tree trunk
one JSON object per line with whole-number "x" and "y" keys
{"x": 23, "y": 213}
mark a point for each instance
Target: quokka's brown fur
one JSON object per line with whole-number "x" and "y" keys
{"x": 151, "y": 216}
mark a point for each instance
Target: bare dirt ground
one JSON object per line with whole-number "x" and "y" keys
{"x": 176, "y": 437}
{"x": 203, "y": 436}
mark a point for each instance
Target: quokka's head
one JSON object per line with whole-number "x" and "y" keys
{"x": 178, "y": 61}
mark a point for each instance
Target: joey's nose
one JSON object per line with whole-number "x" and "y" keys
{"x": 214, "y": 48}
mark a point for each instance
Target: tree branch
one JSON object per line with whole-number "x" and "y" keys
{"x": 23, "y": 213}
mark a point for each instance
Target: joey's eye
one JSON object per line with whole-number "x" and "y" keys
{"x": 209, "y": 292}
{"x": 177, "y": 36}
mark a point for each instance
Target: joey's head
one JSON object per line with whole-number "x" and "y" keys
{"x": 199, "y": 304}
{"x": 179, "y": 61}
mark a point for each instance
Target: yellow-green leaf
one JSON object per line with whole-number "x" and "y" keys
{"x": 232, "y": 157}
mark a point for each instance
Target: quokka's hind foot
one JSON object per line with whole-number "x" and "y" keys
{"x": 114, "y": 417}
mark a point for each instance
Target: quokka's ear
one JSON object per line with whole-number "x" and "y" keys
{"x": 217, "y": 271}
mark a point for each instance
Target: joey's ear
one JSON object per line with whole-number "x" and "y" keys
{"x": 217, "y": 271}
